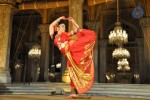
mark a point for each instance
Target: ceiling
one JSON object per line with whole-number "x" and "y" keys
{"x": 124, "y": 4}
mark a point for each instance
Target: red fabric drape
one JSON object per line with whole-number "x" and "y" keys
{"x": 80, "y": 58}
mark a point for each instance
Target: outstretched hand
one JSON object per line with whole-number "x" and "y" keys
{"x": 63, "y": 17}
{"x": 60, "y": 18}
{"x": 70, "y": 19}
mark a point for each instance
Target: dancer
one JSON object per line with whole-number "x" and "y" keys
{"x": 79, "y": 53}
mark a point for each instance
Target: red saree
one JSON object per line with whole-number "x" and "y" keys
{"x": 79, "y": 53}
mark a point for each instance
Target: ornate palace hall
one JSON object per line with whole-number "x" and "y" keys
{"x": 32, "y": 65}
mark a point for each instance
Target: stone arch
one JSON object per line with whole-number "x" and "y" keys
{"x": 24, "y": 29}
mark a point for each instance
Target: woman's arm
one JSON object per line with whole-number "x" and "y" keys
{"x": 75, "y": 25}
{"x": 53, "y": 24}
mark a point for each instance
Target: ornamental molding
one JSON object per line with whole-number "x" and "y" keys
{"x": 10, "y": 2}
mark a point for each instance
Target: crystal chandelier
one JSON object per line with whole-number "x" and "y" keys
{"x": 120, "y": 52}
{"x": 35, "y": 52}
{"x": 18, "y": 64}
{"x": 136, "y": 75}
{"x": 118, "y": 36}
{"x": 123, "y": 65}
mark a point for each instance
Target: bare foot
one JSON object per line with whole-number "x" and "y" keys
{"x": 71, "y": 96}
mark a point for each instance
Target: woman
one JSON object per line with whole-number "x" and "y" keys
{"x": 79, "y": 53}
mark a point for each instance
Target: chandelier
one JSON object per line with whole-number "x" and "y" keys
{"x": 18, "y": 64}
{"x": 136, "y": 75}
{"x": 120, "y": 52}
{"x": 123, "y": 65}
{"x": 35, "y": 52}
{"x": 118, "y": 36}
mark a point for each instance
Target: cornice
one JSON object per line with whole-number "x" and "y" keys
{"x": 8, "y": 2}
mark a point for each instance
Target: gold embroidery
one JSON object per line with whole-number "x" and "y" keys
{"x": 82, "y": 62}
{"x": 60, "y": 44}
{"x": 90, "y": 56}
{"x": 81, "y": 74}
{"x": 82, "y": 80}
{"x": 74, "y": 37}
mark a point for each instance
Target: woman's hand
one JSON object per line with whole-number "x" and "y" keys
{"x": 75, "y": 25}
{"x": 63, "y": 17}
{"x": 70, "y": 19}
{"x": 53, "y": 25}
{"x": 60, "y": 18}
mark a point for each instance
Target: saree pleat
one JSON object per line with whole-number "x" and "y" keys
{"x": 82, "y": 80}
{"x": 79, "y": 53}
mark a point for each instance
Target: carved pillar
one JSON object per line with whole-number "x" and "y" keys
{"x": 147, "y": 12}
{"x": 5, "y": 38}
{"x": 65, "y": 73}
{"x": 102, "y": 62}
{"x": 140, "y": 61}
{"x": 92, "y": 13}
{"x": 44, "y": 29}
{"x": 145, "y": 23}
{"x": 92, "y": 25}
{"x": 75, "y": 11}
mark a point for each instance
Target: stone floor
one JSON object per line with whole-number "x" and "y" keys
{"x": 59, "y": 97}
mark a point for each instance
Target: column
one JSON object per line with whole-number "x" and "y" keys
{"x": 141, "y": 64}
{"x": 44, "y": 29}
{"x": 145, "y": 23}
{"x": 92, "y": 25}
{"x": 92, "y": 11}
{"x": 5, "y": 38}
{"x": 102, "y": 62}
{"x": 64, "y": 71}
{"x": 75, "y": 11}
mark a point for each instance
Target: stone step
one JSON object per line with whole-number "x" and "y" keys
{"x": 63, "y": 85}
{"x": 95, "y": 84}
{"x": 120, "y": 94}
{"x": 122, "y": 90}
{"x": 26, "y": 91}
{"x": 67, "y": 85}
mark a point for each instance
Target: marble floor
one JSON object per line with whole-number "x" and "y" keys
{"x": 61, "y": 97}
